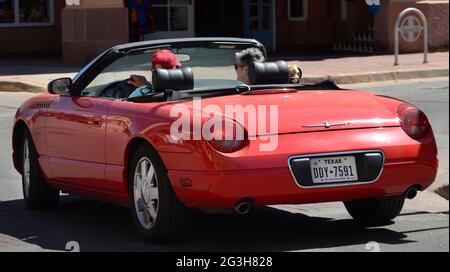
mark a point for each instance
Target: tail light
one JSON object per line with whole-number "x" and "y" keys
{"x": 229, "y": 139}
{"x": 414, "y": 122}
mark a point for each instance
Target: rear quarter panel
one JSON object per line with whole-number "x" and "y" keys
{"x": 130, "y": 121}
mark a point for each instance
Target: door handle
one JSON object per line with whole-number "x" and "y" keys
{"x": 97, "y": 122}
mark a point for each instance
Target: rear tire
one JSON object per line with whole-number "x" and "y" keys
{"x": 36, "y": 191}
{"x": 157, "y": 212}
{"x": 376, "y": 210}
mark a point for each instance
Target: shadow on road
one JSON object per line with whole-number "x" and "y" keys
{"x": 103, "y": 227}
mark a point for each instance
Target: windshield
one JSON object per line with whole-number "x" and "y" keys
{"x": 212, "y": 67}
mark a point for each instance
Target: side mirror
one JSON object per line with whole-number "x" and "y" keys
{"x": 60, "y": 86}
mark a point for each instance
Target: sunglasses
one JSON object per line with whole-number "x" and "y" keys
{"x": 236, "y": 66}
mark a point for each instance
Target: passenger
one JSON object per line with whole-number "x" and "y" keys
{"x": 243, "y": 60}
{"x": 295, "y": 74}
{"x": 163, "y": 59}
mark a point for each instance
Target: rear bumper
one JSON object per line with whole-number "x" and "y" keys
{"x": 270, "y": 181}
{"x": 277, "y": 186}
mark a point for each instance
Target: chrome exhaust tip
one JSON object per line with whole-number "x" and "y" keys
{"x": 243, "y": 207}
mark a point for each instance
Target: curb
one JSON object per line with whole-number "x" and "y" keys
{"x": 10, "y": 86}
{"x": 443, "y": 191}
{"x": 379, "y": 76}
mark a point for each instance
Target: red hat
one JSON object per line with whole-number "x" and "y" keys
{"x": 166, "y": 59}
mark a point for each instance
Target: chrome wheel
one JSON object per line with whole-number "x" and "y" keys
{"x": 156, "y": 210}
{"x": 26, "y": 168}
{"x": 146, "y": 194}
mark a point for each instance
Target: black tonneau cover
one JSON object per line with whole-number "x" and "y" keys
{"x": 170, "y": 95}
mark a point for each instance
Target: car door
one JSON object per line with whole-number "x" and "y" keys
{"x": 75, "y": 131}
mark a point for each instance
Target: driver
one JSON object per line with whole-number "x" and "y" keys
{"x": 163, "y": 59}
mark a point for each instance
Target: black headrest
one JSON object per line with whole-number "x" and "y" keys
{"x": 175, "y": 79}
{"x": 268, "y": 73}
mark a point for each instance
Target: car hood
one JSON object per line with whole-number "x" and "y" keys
{"x": 304, "y": 111}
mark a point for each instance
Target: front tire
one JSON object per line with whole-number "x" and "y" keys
{"x": 37, "y": 193}
{"x": 376, "y": 210}
{"x": 157, "y": 212}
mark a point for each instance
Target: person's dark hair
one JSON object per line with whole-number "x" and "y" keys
{"x": 250, "y": 55}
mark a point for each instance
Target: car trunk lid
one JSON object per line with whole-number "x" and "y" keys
{"x": 305, "y": 111}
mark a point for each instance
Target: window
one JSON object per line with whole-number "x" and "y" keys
{"x": 260, "y": 15}
{"x": 171, "y": 15}
{"x": 7, "y": 12}
{"x": 298, "y": 10}
{"x": 26, "y": 12}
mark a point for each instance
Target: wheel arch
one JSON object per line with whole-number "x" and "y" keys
{"x": 20, "y": 128}
{"x": 131, "y": 148}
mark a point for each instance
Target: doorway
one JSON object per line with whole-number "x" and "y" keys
{"x": 258, "y": 15}
{"x": 219, "y": 18}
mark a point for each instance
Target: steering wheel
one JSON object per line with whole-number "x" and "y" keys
{"x": 119, "y": 90}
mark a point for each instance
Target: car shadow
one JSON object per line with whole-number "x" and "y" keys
{"x": 98, "y": 226}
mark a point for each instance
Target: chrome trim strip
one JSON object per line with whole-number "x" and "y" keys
{"x": 327, "y": 125}
{"x": 348, "y": 153}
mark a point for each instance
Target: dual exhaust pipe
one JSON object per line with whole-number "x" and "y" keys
{"x": 243, "y": 207}
{"x": 411, "y": 193}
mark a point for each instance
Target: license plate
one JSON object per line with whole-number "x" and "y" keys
{"x": 334, "y": 169}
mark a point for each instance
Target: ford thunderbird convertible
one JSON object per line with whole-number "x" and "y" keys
{"x": 198, "y": 139}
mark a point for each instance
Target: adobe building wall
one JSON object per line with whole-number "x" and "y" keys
{"x": 20, "y": 39}
{"x": 91, "y": 28}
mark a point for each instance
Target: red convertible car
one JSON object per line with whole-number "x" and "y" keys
{"x": 311, "y": 143}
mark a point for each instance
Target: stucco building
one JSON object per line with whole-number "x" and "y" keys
{"x": 79, "y": 32}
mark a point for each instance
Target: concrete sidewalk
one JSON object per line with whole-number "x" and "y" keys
{"x": 34, "y": 75}
{"x": 357, "y": 69}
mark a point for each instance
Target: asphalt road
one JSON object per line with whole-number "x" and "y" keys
{"x": 95, "y": 226}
